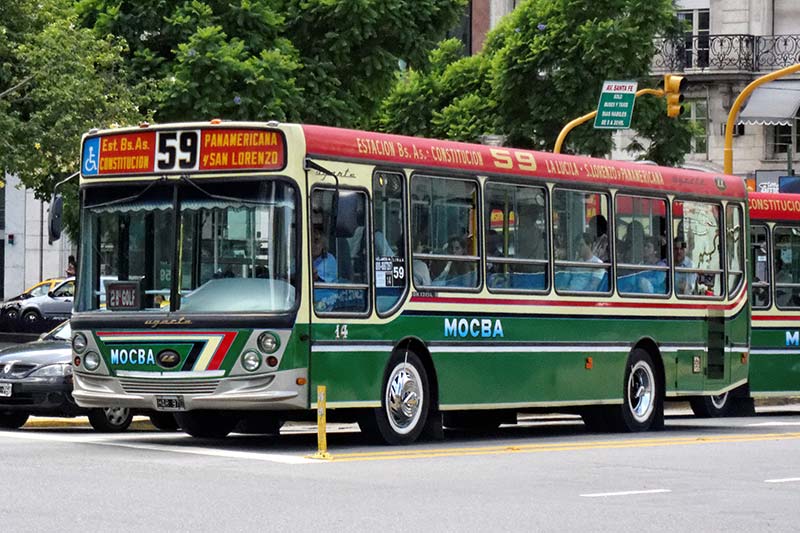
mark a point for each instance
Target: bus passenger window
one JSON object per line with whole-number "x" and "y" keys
{"x": 516, "y": 237}
{"x": 444, "y": 217}
{"x": 760, "y": 266}
{"x": 696, "y": 248}
{"x": 578, "y": 221}
{"x": 786, "y": 264}
{"x": 733, "y": 247}
{"x": 339, "y": 254}
{"x": 641, "y": 245}
{"x": 389, "y": 240}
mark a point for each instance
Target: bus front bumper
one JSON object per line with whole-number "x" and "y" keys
{"x": 275, "y": 391}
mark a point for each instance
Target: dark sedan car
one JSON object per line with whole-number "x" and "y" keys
{"x": 36, "y": 379}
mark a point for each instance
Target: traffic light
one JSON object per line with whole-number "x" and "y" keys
{"x": 673, "y": 85}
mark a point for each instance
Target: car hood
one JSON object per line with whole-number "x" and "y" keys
{"x": 38, "y": 353}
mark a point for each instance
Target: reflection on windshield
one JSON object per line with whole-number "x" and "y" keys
{"x": 236, "y": 246}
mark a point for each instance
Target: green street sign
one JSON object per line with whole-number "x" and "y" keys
{"x": 615, "y": 109}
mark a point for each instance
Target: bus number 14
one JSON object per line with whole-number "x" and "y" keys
{"x": 341, "y": 331}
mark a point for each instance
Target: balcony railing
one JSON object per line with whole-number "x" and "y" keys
{"x": 728, "y": 53}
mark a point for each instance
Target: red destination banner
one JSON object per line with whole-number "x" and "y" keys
{"x": 127, "y": 153}
{"x": 223, "y": 149}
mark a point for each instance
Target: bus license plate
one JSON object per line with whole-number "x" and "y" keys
{"x": 169, "y": 403}
{"x": 5, "y": 390}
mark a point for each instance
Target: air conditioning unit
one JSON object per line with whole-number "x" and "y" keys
{"x": 738, "y": 129}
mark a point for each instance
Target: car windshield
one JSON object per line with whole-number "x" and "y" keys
{"x": 62, "y": 332}
{"x": 235, "y": 252}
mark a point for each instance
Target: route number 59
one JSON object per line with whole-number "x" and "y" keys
{"x": 177, "y": 150}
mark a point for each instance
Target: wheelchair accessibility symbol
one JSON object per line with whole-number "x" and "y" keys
{"x": 91, "y": 157}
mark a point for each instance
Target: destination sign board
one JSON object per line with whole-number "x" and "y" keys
{"x": 133, "y": 153}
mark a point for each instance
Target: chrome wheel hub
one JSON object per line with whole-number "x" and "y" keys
{"x": 404, "y": 398}
{"x": 641, "y": 391}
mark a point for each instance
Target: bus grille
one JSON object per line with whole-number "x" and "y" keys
{"x": 169, "y": 386}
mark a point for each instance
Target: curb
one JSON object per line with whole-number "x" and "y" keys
{"x": 139, "y": 422}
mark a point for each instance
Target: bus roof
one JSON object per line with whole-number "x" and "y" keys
{"x": 330, "y": 142}
{"x": 774, "y": 206}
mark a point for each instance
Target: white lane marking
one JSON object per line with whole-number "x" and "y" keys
{"x": 784, "y": 480}
{"x": 773, "y": 424}
{"x": 624, "y": 493}
{"x": 119, "y": 441}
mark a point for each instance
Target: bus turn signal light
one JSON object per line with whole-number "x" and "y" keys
{"x": 300, "y": 381}
{"x": 589, "y": 363}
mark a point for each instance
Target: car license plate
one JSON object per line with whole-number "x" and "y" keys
{"x": 5, "y": 390}
{"x": 169, "y": 403}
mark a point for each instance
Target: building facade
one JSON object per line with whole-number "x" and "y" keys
{"x": 26, "y": 256}
{"x": 727, "y": 45}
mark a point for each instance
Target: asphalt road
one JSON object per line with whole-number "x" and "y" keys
{"x": 545, "y": 474}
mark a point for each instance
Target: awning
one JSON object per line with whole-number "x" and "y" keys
{"x": 773, "y": 103}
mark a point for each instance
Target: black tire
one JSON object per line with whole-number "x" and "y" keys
{"x": 30, "y": 319}
{"x": 405, "y": 402}
{"x": 712, "y": 406}
{"x": 11, "y": 315}
{"x": 259, "y": 424}
{"x": 643, "y": 404}
{"x": 110, "y": 419}
{"x": 480, "y": 421}
{"x": 164, "y": 421}
{"x": 13, "y": 420}
{"x": 207, "y": 424}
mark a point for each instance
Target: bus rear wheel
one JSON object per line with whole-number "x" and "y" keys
{"x": 643, "y": 406}
{"x": 207, "y": 424}
{"x": 712, "y": 406}
{"x": 13, "y": 420}
{"x": 405, "y": 402}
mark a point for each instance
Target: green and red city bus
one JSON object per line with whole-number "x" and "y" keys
{"x": 423, "y": 282}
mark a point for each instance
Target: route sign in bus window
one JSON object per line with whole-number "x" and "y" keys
{"x": 389, "y": 239}
{"x": 516, "y": 237}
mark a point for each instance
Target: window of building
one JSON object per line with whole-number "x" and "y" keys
{"x": 782, "y": 140}
{"x": 696, "y": 37}
{"x": 696, "y": 112}
{"x": 463, "y": 31}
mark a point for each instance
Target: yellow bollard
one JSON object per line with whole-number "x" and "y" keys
{"x": 322, "y": 439}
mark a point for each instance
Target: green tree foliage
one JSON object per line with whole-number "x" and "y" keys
{"x": 543, "y": 66}
{"x": 65, "y": 81}
{"x": 322, "y": 61}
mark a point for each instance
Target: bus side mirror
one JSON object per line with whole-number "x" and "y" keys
{"x": 54, "y": 218}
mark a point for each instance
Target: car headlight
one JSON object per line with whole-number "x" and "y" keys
{"x": 91, "y": 361}
{"x": 79, "y": 342}
{"x": 267, "y": 342}
{"x": 251, "y": 361}
{"x": 53, "y": 371}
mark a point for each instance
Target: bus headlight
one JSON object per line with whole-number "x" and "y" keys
{"x": 79, "y": 343}
{"x": 267, "y": 342}
{"x": 91, "y": 361}
{"x": 251, "y": 361}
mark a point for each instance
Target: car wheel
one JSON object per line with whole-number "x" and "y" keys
{"x": 110, "y": 419}
{"x": 164, "y": 421}
{"x": 11, "y": 315}
{"x": 13, "y": 420}
{"x": 405, "y": 401}
{"x": 207, "y": 424}
{"x": 31, "y": 318}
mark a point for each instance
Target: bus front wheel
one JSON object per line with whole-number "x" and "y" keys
{"x": 207, "y": 424}
{"x": 405, "y": 401}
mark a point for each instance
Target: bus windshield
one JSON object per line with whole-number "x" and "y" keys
{"x": 235, "y": 248}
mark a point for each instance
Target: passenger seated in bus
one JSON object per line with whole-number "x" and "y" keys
{"x": 598, "y": 231}
{"x": 454, "y": 270}
{"x": 422, "y": 275}
{"x": 586, "y": 279}
{"x": 783, "y": 295}
{"x": 324, "y": 266}
{"x": 685, "y": 282}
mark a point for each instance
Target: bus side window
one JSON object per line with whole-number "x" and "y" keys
{"x": 696, "y": 248}
{"x": 389, "y": 240}
{"x": 517, "y": 250}
{"x": 640, "y": 234}
{"x": 760, "y": 266}
{"x": 786, "y": 266}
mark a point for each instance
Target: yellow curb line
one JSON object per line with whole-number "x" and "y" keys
{"x": 143, "y": 423}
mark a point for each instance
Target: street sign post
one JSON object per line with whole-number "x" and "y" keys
{"x": 615, "y": 109}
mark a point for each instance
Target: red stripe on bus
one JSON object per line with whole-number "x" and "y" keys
{"x": 776, "y": 317}
{"x": 562, "y": 303}
{"x": 478, "y": 158}
{"x": 222, "y": 351}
